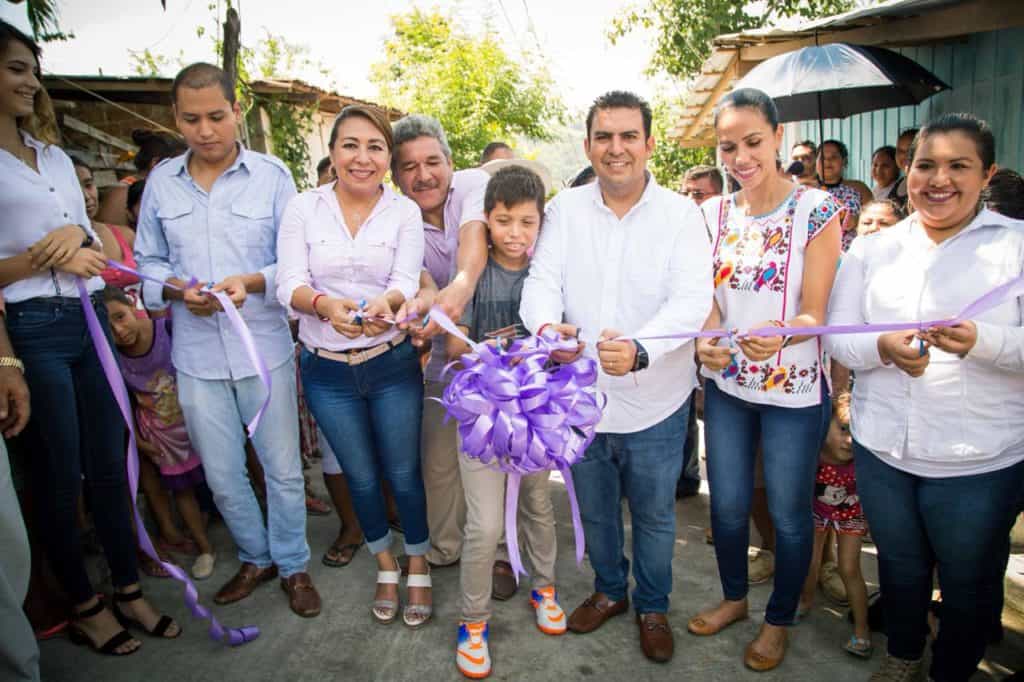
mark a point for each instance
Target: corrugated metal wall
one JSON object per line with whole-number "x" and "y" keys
{"x": 986, "y": 73}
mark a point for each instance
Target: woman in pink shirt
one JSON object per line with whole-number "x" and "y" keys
{"x": 349, "y": 255}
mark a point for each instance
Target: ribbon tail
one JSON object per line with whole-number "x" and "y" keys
{"x": 577, "y": 522}
{"x": 218, "y": 632}
{"x": 249, "y": 343}
{"x": 511, "y": 535}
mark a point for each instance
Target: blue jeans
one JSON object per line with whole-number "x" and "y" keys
{"x": 957, "y": 524}
{"x": 76, "y": 428}
{"x": 371, "y": 414}
{"x": 791, "y": 440}
{"x": 215, "y": 414}
{"x": 643, "y": 467}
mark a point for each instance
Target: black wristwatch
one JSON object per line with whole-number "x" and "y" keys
{"x": 88, "y": 241}
{"x": 642, "y": 360}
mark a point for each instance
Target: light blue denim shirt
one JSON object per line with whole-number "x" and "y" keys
{"x": 185, "y": 232}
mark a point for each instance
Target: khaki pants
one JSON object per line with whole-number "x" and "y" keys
{"x": 446, "y": 505}
{"x": 485, "y": 521}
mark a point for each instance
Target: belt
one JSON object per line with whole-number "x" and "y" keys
{"x": 361, "y": 355}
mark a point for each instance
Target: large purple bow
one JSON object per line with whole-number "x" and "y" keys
{"x": 522, "y": 414}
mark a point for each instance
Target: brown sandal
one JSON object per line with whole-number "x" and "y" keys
{"x": 339, "y": 551}
{"x": 702, "y": 628}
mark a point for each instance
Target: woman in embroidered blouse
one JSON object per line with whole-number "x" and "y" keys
{"x": 46, "y": 244}
{"x": 349, "y": 254}
{"x": 776, "y": 249}
{"x": 853, "y": 194}
{"x": 938, "y": 416}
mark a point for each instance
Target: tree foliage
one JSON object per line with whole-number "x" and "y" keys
{"x": 684, "y": 29}
{"x": 669, "y": 162}
{"x": 478, "y": 93}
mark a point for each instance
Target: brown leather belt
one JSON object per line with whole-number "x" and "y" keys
{"x": 358, "y": 357}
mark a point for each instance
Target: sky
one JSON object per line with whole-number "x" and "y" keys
{"x": 347, "y": 36}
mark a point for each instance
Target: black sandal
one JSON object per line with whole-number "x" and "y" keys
{"x": 161, "y": 627}
{"x": 340, "y": 550}
{"x": 109, "y": 648}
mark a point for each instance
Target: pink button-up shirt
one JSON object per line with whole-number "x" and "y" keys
{"x": 315, "y": 249}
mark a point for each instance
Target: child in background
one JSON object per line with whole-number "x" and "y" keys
{"x": 514, "y": 208}
{"x": 878, "y": 215}
{"x": 144, "y": 350}
{"x": 837, "y": 507}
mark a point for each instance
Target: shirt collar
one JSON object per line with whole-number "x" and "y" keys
{"x": 179, "y": 164}
{"x": 649, "y": 190}
{"x": 985, "y": 218}
{"x": 387, "y": 198}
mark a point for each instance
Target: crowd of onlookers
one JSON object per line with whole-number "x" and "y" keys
{"x": 823, "y": 440}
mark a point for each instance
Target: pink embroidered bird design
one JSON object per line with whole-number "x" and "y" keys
{"x": 767, "y": 275}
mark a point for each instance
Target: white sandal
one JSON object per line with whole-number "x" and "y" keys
{"x": 417, "y": 615}
{"x": 386, "y": 610}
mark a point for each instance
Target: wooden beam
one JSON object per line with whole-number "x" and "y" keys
{"x": 977, "y": 16}
{"x": 106, "y": 138}
{"x": 724, "y": 82}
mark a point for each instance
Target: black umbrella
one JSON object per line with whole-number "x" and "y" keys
{"x": 839, "y": 80}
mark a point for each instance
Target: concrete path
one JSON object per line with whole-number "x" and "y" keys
{"x": 345, "y": 644}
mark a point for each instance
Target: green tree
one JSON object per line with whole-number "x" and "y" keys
{"x": 478, "y": 93}
{"x": 684, "y": 29}
{"x": 669, "y": 161}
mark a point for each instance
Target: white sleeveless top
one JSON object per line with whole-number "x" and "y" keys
{"x": 759, "y": 272}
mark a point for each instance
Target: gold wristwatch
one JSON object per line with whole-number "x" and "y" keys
{"x": 11, "y": 361}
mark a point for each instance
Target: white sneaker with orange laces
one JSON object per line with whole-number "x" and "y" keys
{"x": 550, "y": 616}
{"x": 472, "y": 655}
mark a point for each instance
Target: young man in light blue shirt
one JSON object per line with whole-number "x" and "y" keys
{"x": 213, "y": 214}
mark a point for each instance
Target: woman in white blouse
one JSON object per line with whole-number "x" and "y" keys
{"x": 45, "y": 245}
{"x": 776, "y": 245}
{"x": 349, "y": 254}
{"x": 938, "y": 415}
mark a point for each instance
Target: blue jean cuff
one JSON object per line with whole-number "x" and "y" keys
{"x": 417, "y": 549}
{"x": 381, "y": 544}
{"x": 285, "y": 574}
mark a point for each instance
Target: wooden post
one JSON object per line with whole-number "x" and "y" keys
{"x": 232, "y": 29}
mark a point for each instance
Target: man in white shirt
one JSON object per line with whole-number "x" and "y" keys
{"x": 626, "y": 257}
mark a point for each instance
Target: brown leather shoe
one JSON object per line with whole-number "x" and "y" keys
{"x": 761, "y": 663}
{"x": 594, "y": 611}
{"x": 503, "y": 581}
{"x": 302, "y": 595}
{"x": 655, "y": 636}
{"x": 248, "y": 578}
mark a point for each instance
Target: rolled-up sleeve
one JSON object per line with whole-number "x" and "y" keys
{"x": 151, "y": 251}
{"x": 690, "y": 288}
{"x": 292, "y": 267}
{"x": 542, "y": 300}
{"x": 282, "y": 197}
{"x": 1000, "y": 346}
{"x": 846, "y": 306}
{"x": 405, "y": 272}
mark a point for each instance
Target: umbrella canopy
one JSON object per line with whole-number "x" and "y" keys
{"x": 839, "y": 80}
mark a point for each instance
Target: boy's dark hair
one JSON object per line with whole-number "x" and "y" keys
{"x": 112, "y": 294}
{"x": 621, "y": 99}
{"x": 202, "y": 75}
{"x": 584, "y": 177}
{"x": 704, "y": 171}
{"x": 155, "y": 146}
{"x": 324, "y": 164}
{"x": 514, "y": 185}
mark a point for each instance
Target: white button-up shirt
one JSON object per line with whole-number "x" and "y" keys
{"x": 962, "y": 416}
{"x": 35, "y": 204}
{"x": 315, "y": 249}
{"x": 647, "y": 274}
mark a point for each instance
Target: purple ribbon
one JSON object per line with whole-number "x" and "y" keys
{"x": 240, "y": 327}
{"x": 217, "y": 632}
{"x": 522, "y": 414}
{"x": 991, "y": 299}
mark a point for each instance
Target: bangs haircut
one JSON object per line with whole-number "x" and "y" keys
{"x": 514, "y": 185}
{"x": 377, "y": 119}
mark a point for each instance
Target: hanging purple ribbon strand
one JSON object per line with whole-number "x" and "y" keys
{"x": 521, "y": 414}
{"x": 237, "y": 323}
{"x": 217, "y": 632}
